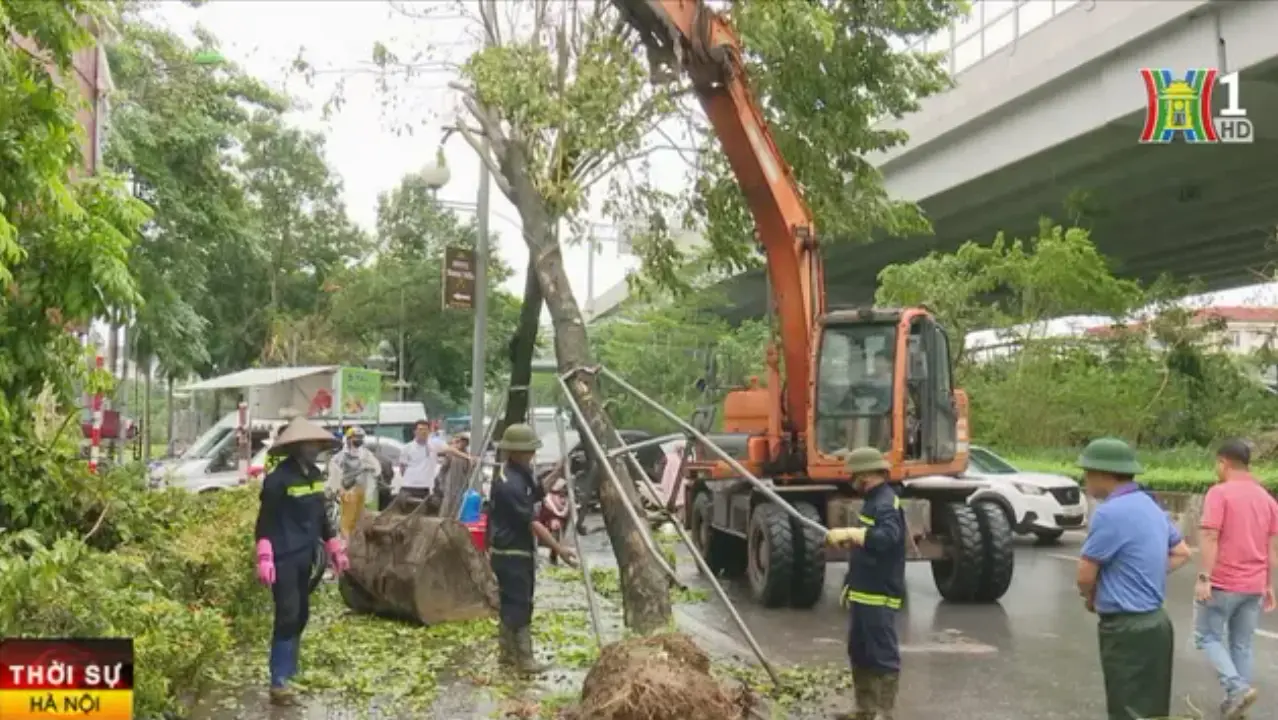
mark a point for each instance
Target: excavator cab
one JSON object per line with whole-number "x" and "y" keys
{"x": 884, "y": 380}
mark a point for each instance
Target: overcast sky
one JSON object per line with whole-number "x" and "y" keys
{"x": 264, "y": 37}
{"x": 363, "y": 147}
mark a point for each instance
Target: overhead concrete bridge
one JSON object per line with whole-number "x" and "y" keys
{"x": 1049, "y": 100}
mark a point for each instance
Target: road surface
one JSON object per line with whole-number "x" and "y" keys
{"x": 1034, "y": 655}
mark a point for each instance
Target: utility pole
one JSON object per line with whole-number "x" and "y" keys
{"x": 399, "y": 369}
{"x": 479, "y": 342}
{"x": 592, "y": 249}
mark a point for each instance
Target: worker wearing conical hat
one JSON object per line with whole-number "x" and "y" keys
{"x": 513, "y": 535}
{"x": 875, "y": 585}
{"x": 293, "y": 518}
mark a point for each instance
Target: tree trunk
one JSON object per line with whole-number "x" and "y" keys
{"x": 108, "y": 399}
{"x": 523, "y": 345}
{"x": 644, "y": 588}
{"x": 170, "y": 413}
{"x": 146, "y": 413}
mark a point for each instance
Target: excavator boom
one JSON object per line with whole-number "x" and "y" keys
{"x": 689, "y": 36}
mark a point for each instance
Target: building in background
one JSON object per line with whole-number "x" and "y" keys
{"x": 92, "y": 79}
{"x": 1241, "y": 331}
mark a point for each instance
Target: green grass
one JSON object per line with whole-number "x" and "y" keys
{"x": 1171, "y": 470}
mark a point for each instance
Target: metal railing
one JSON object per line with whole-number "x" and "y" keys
{"x": 991, "y": 26}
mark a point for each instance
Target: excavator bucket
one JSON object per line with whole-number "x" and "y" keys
{"x": 413, "y": 567}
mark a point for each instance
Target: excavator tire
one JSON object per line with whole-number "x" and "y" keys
{"x": 1000, "y": 557}
{"x": 770, "y": 554}
{"x": 959, "y": 575}
{"x": 809, "y": 559}
{"x": 722, "y": 552}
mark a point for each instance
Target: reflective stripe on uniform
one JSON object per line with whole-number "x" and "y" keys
{"x": 871, "y": 599}
{"x": 868, "y": 521}
{"x": 514, "y": 553}
{"x": 312, "y": 489}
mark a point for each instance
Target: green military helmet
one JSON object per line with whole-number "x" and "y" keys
{"x": 1110, "y": 455}
{"x": 519, "y": 438}
{"x": 865, "y": 460}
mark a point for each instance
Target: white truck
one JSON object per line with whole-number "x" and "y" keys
{"x": 216, "y": 460}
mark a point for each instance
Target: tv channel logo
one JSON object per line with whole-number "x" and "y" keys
{"x": 1182, "y": 108}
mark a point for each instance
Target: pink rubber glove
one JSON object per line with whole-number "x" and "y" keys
{"x": 265, "y": 562}
{"x": 337, "y": 555}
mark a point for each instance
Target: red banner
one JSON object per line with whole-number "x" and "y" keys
{"x": 90, "y": 678}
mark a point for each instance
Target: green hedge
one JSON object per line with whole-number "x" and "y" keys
{"x": 1176, "y": 470}
{"x": 184, "y": 590}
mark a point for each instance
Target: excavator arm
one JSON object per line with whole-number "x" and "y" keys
{"x": 687, "y": 35}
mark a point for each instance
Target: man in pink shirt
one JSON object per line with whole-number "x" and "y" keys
{"x": 1239, "y": 520}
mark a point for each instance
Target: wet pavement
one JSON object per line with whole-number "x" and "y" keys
{"x": 1034, "y": 655}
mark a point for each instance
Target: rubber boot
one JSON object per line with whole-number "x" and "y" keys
{"x": 866, "y": 689}
{"x": 284, "y": 697}
{"x": 525, "y": 660}
{"x": 505, "y": 647}
{"x": 889, "y": 683}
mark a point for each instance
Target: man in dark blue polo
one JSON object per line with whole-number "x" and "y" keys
{"x": 1122, "y": 576}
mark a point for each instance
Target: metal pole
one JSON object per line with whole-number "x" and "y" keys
{"x": 590, "y": 277}
{"x": 478, "y": 342}
{"x": 478, "y": 471}
{"x": 641, "y": 526}
{"x": 715, "y": 449}
{"x": 399, "y": 381}
{"x": 714, "y": 582}
{"x": 576, "y": 539}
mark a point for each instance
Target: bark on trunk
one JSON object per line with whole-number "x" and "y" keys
{"x": 146, "y": 413}
{"x": 169, "y": 416}
{"x": 522, "y": 347}
{"x": 645, "y": 589}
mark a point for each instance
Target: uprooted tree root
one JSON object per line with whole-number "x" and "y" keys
{"x": 659, "y": 677}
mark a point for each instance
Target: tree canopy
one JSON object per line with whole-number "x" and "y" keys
{"x": 65, "y": 238}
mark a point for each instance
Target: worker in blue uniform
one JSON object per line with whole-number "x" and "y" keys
{"x": 874, "y": 589}
{"x": 292, "y": 519}
{"x": 513, "y": 534}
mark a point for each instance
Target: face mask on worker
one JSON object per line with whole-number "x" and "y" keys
{"x": 309, "y": 451}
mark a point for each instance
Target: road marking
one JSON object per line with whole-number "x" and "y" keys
{"x": 1062, "y": 556}
{"x": 1267, "y": 634}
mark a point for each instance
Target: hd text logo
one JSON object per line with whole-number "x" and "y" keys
{"x": 1182, "y": 107}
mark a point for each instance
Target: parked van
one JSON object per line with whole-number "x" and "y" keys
{"x": 210, "y": 463}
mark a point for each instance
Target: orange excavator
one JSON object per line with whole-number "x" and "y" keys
{"x": 852, "y": 378}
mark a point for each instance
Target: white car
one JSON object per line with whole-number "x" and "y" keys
{"x": 1047, "y": 505}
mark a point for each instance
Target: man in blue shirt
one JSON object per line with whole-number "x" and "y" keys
{"x": 1122, "y": 576}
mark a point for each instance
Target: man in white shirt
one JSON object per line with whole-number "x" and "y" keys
{"x": 419, "y": 463}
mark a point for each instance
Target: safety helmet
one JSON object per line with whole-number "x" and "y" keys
{"x": 1110, "y": 455}
{"x": 866, "y": 460}
{"x": 519, "y": 438}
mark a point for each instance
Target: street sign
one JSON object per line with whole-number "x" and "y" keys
{"x": 459, "y": 278}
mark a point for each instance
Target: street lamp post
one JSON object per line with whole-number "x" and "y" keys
{"x": 434, "y": 175}
{"x": 478, "y": 361}
{"x": 479, "y": 343}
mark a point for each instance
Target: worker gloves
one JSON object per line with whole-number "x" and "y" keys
{"x": 265, "y": 562}
{"x": 337, "y": 555}
{"x": 843, "y": 537}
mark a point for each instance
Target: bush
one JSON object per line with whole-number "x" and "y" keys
{"x": 1183, "y": 469}
{"x": 184, "y": 591}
